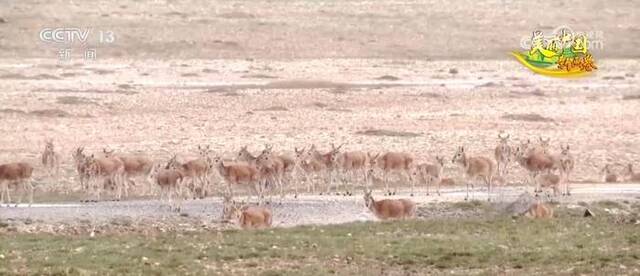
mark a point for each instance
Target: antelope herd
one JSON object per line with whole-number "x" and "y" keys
{"x": 333, "y": 171}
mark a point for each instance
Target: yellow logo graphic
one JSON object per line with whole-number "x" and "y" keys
{"x": 564, "y": 55}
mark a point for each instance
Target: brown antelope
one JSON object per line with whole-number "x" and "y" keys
{"x": 534, "y": 161}
{"x": 239, "y": 174}
{"x": 276, "y": 168}
{"x": 51, "y": 159}
{"x": 353, "y": 163}
{"x": 503, "y": 154}
{"x": 105, "y": 169}
{"x": 429, "y": 174}
{"x": 134, "y": 166}
{"x": 567, "y": 163}
{"x": 310, "y": 169}
{"x": 392, "y": 162}
{"x": 543, "y": 146}
{"x": 548, "y": 180}
{"x": 539, "y": 210}
{"x": 81, "y": 162}
{"x": 19, "y": 173}
{"x": 608, "y": 175}
{"x": 329, "y": 163}
{"x": 252, "y": 217}
{"x": 197, "y": 170}
{"x": 387, "y": 209}
{"x": 474, "y": 168}
{"x": 246, "y": 156}
{"x": 630, "y": 175}
{"x": 169, "y": 179}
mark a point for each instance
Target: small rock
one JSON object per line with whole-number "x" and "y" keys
{"x": 453, "y": 71}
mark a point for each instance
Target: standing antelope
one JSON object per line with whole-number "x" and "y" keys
{"x": 533, "y": 161}
{"x": 104, "y": 169}
{"x": 475, "y": 167}
{"x": 310, "y": 169}
{"x": 608, "y": 175}
{"x": 81, "y": 162}
{"x": 548, "y": 180}
{"x": 567, "y": 162}
{"x": 197, "y": 170}
{"x": 239, "y": 174}
{"x": 169, "y": 178}
{"x": 19, "y": 173}
{"x": 630, "y": 175}
{"x": 278, "y": 168}
{"x": 329, "y": 163}
{"x": 428, "y": 174}
{"x": 353, "y": 163}
{"x": 390, "y": 208}
{"x": 503, "y": 154}
{"x": 51, "y": 159}
{"x": 134, "y": 166}
{"x": 390, "y": 162}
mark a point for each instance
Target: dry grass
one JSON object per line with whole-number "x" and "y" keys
{"x": 385, "y": 132}
{"x": 528, "y": 117}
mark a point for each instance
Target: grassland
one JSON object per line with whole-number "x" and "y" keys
{"x": 568, "y": 244}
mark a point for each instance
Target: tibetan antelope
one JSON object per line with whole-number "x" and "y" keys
{"x": 51, "y": 159}
{"x": 308, "y": 168}
{"x": 134, "y": 166}
{"x": 392, "y": 162}
{"x": 106, "y": 170}
{"x": 197, "y": 171}
{"x": 239, "y": 174}
{"x": 608, "y": 175}
{"x": 81, "y": 162}
{"x": 428, "y": 174}
{"x": 474, "y": 168}
{"x": 388, "y": 209}
{"x": 16, "y": 173}
{"x": 329, "y": 163}
{"x": 503, "y": 154}
{"x": 276, "y": 168}
{"x": 630, "y": 175}
{"x": 533, "y": 161}
{"x": 567, "y": 163}
{"x": 352, "y": 163}
{"x": 252, "y": 217}
{"x": 539, "y": 210}
{"x": 169, "y": 180}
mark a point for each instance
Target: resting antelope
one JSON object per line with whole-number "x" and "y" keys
{"x": 390, "y": 162}
{"x": 429, "y": 174}
{"x": 51, "y": 159}
{"x": 19, "y": 173}
{"x": 249, "y": 217}
{"x": 503, "y": 154}
{"x": 329, "y": 163}
{"x": 475, "y": 167}
{"x": 387, "y": 209}
{"x": 630, "y": 175}
{"x": 539, "y": 210}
